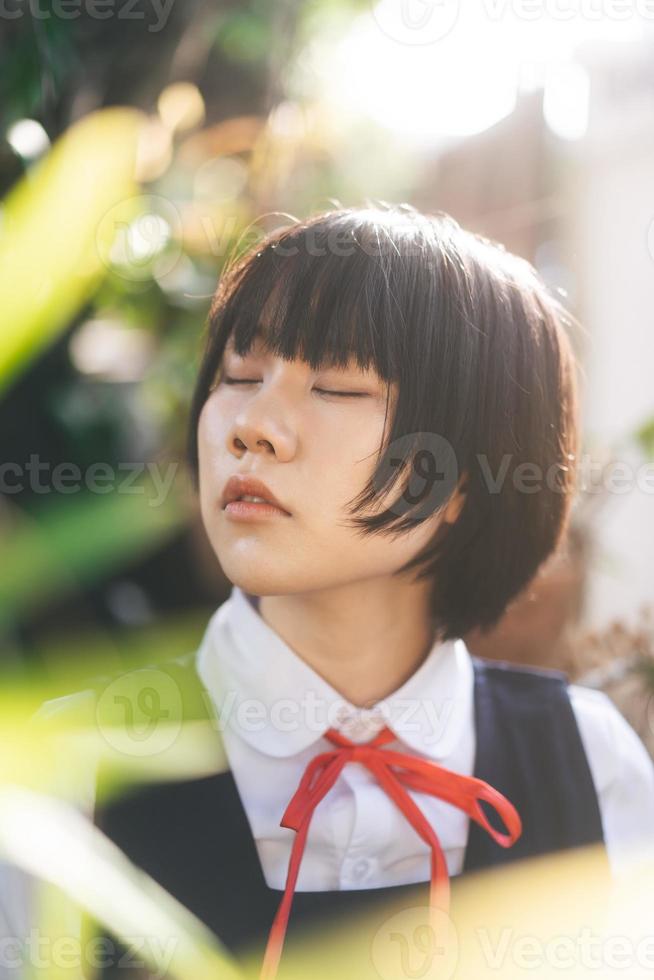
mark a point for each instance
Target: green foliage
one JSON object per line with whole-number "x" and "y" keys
{"x": 645, "y": 437}
{"x": 42, "y": 55}
{"x": 54, "y": 234}
{"x": 244, "y": 36}
{"x": 77, "y": 539}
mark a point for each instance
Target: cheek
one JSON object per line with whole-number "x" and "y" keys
{"x": 345, "y": 457}
{"x": 202, "y": 440}
{"x": 211, "y": 440}
{"x": 362, "y": 445}
{"x": 213, "y": 425}
{"x": 208, "y": 424}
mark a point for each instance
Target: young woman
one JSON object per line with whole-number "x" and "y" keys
{"x": 383, "y": 436}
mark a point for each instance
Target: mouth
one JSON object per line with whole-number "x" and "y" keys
{"x": 248, "y": 509}
{"x": 247, "y": 495}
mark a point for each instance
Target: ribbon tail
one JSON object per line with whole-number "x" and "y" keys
{"x": 439, "y": 891}
{"x": 297, "y": 817}
{"x": 277, "y": 933}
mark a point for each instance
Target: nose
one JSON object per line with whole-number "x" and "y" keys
{"x": 263, "y": 426}
{"x": 243, "y": 441}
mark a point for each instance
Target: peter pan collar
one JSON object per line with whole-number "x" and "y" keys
{"x": 266, "y": 693}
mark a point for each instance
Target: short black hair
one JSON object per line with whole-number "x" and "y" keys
{"x": 486, "y": 375}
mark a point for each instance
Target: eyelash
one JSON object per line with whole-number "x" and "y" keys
{"x": 323, "y": 391}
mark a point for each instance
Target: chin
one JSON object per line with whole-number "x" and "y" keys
{"x": 260, "y": 581}
{"x": 259, "y": 568}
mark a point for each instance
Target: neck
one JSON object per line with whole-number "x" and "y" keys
{"x": 365, "y": 638}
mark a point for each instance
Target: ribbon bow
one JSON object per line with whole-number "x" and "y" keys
{"x": 394, "y": 771}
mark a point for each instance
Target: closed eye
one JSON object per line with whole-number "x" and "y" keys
{"x": 321, "y": 391}
{"x": 342, "y": 394}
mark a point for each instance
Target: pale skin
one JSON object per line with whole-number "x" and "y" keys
{"x": 325, "y": 588}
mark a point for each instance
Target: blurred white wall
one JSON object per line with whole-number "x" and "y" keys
{"x": 615, "y": 236}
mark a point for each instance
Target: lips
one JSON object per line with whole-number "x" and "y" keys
{"x": 241, "y": 485}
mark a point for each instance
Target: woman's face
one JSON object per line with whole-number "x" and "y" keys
{"x": 312, "y": 438}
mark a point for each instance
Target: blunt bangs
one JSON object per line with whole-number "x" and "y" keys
{"x": 485, "y": 377}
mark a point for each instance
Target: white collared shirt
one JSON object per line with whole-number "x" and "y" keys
{"x": 273, "y": 710}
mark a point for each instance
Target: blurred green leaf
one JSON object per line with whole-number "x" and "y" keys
{"x": 645, "y": 438}
{"x": 52, "y": 840}
{"x": 54, "y": 232}
{"x": 75, "y": 540}
{"x": 244, "y": 36}
{"x": 67, "y": 658}
{"x": 138, "y": 721}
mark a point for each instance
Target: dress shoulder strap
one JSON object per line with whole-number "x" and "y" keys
{"x": 529, "y": 747}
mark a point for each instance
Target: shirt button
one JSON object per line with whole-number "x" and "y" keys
{"x": 357, "y": 870}
{"x": 361, "y": 868}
